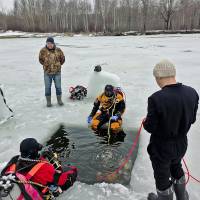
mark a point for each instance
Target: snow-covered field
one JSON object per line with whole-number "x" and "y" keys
{"x": 132, "y": 59}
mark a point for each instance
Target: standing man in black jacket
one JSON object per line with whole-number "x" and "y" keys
{"x": 171, "y": 111}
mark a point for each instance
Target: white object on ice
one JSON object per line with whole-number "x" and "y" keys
{"x": 5, "y": 111}
{"x": 99, "y": 80}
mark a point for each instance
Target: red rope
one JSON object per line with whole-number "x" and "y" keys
{"x": 133, "y": 148}
{"x": 128, "y": 155}
{"x": 188, "y": 174}
{"x": 198, "y": 181}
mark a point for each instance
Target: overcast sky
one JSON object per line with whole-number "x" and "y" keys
{"x": 7, "y": 4}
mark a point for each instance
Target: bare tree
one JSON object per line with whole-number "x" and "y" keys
{"x": 167, "y": 9}
{"x": 102, "y": 15}
{"x": 103, "y": 9}
{"x": 84, "y": 8}
{"x": 145, "y": 8}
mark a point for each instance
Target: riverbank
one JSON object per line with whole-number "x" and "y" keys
{"x": 18, "y": 34}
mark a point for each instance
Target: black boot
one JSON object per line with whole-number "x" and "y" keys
{"x": 48, "y": 98}
{"x": 179, "y": 189}
{"x": 161, "y": 195}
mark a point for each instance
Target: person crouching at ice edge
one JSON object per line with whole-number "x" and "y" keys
{"x": 52, "y": 59}
{"x": 108, "y": 107}
{"x": 39, "y": 170}
{"x": 171, "y": 111}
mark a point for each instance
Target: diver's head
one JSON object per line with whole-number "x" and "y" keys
{"x": 29, "y": 148}
{"x": 109, "y": 91}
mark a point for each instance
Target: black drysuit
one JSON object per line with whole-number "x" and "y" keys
{"x": 171, "y": 111}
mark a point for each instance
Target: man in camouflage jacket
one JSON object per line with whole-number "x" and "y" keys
{"x": 52, "y": 58}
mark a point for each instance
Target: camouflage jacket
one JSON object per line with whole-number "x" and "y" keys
{"x": 52, "y": 60}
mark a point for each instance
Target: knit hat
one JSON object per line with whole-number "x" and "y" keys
{"x": 164, "y": 69}
{"x": 50, "y": 39}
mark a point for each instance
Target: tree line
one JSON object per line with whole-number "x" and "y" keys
{"x": 113, "y": 16}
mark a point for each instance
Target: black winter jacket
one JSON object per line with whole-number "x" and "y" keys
{"x": 171, "y": 111}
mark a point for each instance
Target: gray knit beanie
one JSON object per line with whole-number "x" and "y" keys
{"x": 164, "y": 69}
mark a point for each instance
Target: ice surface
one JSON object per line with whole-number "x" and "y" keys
{"x": 132, "y": 59}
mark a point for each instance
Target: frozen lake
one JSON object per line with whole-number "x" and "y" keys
{"x": 132, "y": 59}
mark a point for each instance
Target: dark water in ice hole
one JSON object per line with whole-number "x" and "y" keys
{"x": 92, "y": 155}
